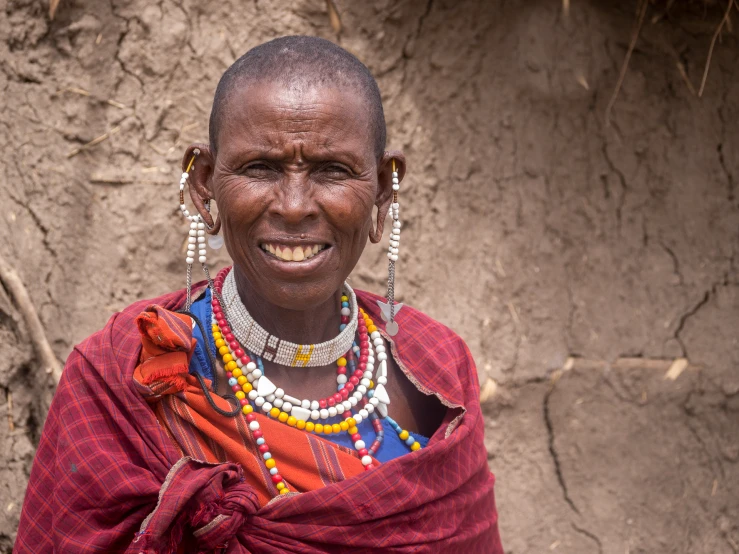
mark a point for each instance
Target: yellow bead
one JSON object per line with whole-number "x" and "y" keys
{"x": 274, "y": 412}
{"x": 247, "y": 409}
{"x": 341, "y": 362}
{"x": 223, "y": 350}
{"x": 336, "y": 428}
{"x": 300, "y": 424}
{"x": 344, "y": 425}
{"x": 309, "y": 426}
{"x": 372, "y": 384}
{"x": 318, "y": 428}
{"x": 353, "y": 430}
{"x": 227, "y": 359}
{"x": 415, "y": 446}
{"x": 280, "y": 485}
{"x": 350, "y": 421}
{"x": 240, "y": 395}
{"x": 220, "y": 342}
{"x": 231, "y": 365}
{"x": 246, "y": 387}
{"x": 344, "y": 298}
{"x": 404, "y": 435}
{"x": 241, "y": 380}
{"x": 292, "y": 421}
{"x": 237, "y": 372}
{"x": 283, "y": 416}
{"x": 284, "y": 491}
{"x": 327, "y": 430}
{"x": 371, "y": 329}
{"x": 214, "y": 328}
{"x": 270, "y": 463}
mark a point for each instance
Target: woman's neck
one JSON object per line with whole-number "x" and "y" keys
{"x": 313, "y": 326}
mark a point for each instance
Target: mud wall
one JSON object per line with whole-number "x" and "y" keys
{"x": 545, "y": 237}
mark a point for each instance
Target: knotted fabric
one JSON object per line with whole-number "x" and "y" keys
{"x": 108, "y": 477}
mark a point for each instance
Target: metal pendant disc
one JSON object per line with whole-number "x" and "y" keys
{"x": 215, "y": 241}
{"x": 392, "y": 328}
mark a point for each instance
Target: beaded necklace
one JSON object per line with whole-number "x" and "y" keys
{"x": 249, "y": 385}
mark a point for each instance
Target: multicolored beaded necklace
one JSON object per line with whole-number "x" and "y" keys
{"x": 354, "y": 384}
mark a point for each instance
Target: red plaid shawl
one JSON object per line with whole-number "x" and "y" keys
{"x": 107, "y": 478}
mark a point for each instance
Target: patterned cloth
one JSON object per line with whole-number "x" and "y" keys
{"x": 108, "y": 478}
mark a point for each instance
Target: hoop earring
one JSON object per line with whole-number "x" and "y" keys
{"x": 389, "y": 309}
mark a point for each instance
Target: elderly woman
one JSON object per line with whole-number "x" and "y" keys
{"x": 272, "y": 408}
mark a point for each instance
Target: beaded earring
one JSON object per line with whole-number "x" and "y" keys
{"x": 389, "y": 309}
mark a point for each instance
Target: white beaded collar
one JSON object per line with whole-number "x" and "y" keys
{"x": 271, "y": 348}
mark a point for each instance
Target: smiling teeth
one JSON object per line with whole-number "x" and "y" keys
{"x": 293, "y": 254}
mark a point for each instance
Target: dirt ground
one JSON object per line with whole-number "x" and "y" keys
{"x": 577, "y": 259}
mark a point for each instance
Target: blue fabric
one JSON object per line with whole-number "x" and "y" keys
{"x": 392, "y": 447}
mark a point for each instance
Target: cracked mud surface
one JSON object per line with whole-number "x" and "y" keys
{"x": 533, "y": 230}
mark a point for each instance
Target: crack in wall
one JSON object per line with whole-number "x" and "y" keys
{"x": 588, "y": 534}
{"x": 683, "y": 320}
{"x": 553, "y": 451}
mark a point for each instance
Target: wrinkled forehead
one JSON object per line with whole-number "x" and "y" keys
{"x": 272, "y": 114}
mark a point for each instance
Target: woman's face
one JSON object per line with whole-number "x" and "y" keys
{"x": 295, "y": 179}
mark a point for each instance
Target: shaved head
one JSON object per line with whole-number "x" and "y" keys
{"x": 301, "y": 63}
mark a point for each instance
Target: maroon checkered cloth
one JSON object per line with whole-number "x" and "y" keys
{"x": 107, "y": 478}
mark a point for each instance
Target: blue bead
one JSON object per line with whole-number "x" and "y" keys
{"x": 273, "y": 471}
{"x": 232, "y": 381}
{"x": 266, "y": 455}
{"x": 342, "y": 326}
{"x": 410, "y": 440}
{"x": 345, "y": 304}
{"x": 260, "y": 441}
{"x": 341, "y": 386}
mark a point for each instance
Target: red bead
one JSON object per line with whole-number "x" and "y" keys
{"x": 358, "y": 374}
{"x": 353, "y": 380}
{"x": 243, "y": 401}
{"x": 236, "y": 388}
{"x": 363, "y": 335}
{"x": 322, "y": 404}
{"x": 367, "y": 468}
{"x": 344, "y": 394}
{"x": 258, "y": 434}
{"x": 229, "y": 337}
{"x": 263, "y": 448}
{"x": 251, "y": 417}
{"x": 349, "y": 387}
{"x": 356, "y": 437}
{"x": 216, "y": 309}
{"x": 344, "y": 319}
{"x": 363, "y": 452}
{"x": 331, "y": 401}
{"x": 221, "y": 323}
{"x": 363, "y": 359}
{"x": 337, "y": 397}
{"x": 238, "y": 353}
{"x": 225, "y": 329}
{"x": 245, "y": 360}
{"x": 347, "y": 414}
{"x": 375, "y": 446}
{"x": 276, "y": 478}
{"x": 362, "y": 366}
{"x": 229, "y": 374}
{"x": 363, "y": 344}
{"x": 341, "y": 370}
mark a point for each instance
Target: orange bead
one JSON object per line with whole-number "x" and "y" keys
{"x": 237, "y": 373}
{"x": 309, "y": 426}
{"x": 350, "y": 421}
{"x": 284, "y": 491}
{"x": 241, "y": 380}
{"x": 246, "y": 387}
{"x": 343, "y": 425}
{"x": 336, "y": 428}
{"x": 300, "y": 424}
{"x": 270, "y": 463}
{"x": 274, "y": 412}
{"x": 292, "y": 421}
{"x": 283, "y": 416}
{"x": 353, "y": 430}
{"x": 319, "y": 428}
{"x": 231, "y": 366}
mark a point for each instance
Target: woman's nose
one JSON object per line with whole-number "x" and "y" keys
{"x": 295, "y": 202}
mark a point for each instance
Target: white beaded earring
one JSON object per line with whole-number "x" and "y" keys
{"x": 389, "y": 309}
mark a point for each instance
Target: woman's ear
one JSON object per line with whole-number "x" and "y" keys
{"x": 385, "y": 188}
{"x": 201, "y": 182}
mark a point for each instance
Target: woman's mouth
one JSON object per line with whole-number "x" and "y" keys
{"x": 288, "y": 253}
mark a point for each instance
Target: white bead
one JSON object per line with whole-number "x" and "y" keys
{"x": 201, "y": 225}
{"x": 367, "y": 375}
{"x": 201, "y": 233}
{"x": 364, "y": 413}
{"x": 250, "y": 377}
{"x": 192, "y": 240}
{"x": 266, "y": 406}
{"x": 193, "y": 226}
{"x": 375, "y": 335}
{"x": 366, "y": 460}
{"x": 278, "y": 403}
{"x": 185, "y": 175}
{"x": 352, "y": 401}
{"x": 279, "y": 393}
{"x": 191, "y": 249}
{"x": 396, "y": 232}
{"x": 315, "y": 405}
{"x": 347, "y": 405}
{"x": 239, "y": 363}
{"x": 373, "y": 402}
{"x": 257, "y": 373}
{"x": 287, "y": 398}
{"x": 370, "y": 408}
{"x": 394, "y": 257}
{"x": 323, "y": 413}
{"x": 396, "y": 180}
{"x": 345, "y": 311}
{"x": 315, "y": 414}
{"x": 364, "y": 382}
{"x": 286, "y": 406}
{"x": 259, "y": 401}
{"x": 358, "y": 419}
{"x": 396, "y": 186}
{"x": 189, "y": 260}
{"x": 361, "y": 389}
{"x": 332, "y": 412}
{"x": 359, "y": 445}
{"x": 339, "y": 408}
{"x": 305, "y": 404}
{"x": 202, "y": 252}
{"x": 380, "y": 349}
{"x": 270, "y": 397}
{"x": 251, "y": 366}
{"x": 254, "y": 425}
{"x": 382, "y": 380}
{"x": 253, "y": 394}
{"x": 390, "y": 255}
{"x": 341, "y": 379}
{"x": 202, "y": 259}
{"x": 396, "y": 224}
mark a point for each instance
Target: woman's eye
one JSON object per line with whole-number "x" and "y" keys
{"x": 257, "y": 167}
{"x": 334, "y": 168}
